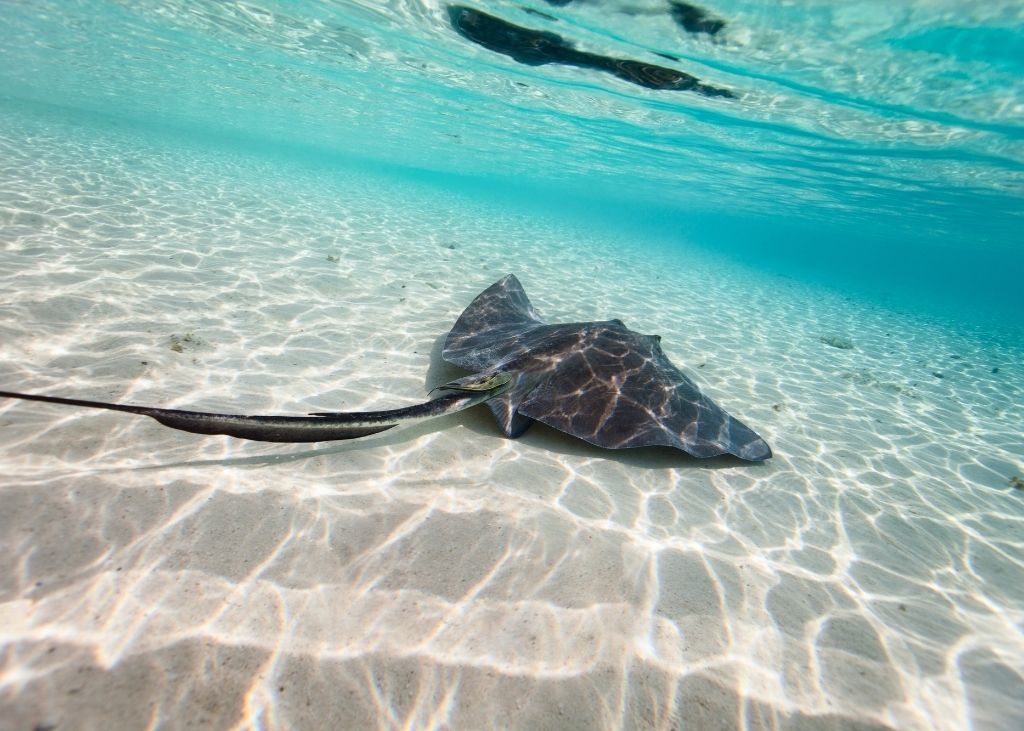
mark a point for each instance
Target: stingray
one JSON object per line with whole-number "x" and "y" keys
{"x": 599, "y": 381}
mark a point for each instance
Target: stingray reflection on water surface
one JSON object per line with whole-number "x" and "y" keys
{"x": 598, "y": 381}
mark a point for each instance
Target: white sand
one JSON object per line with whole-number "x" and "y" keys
{"x": 868, "y": 576}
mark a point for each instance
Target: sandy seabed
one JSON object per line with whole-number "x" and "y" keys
{"x": 869, "y": 576}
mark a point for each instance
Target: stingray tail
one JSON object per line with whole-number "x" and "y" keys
{"x": 321, "y": 427}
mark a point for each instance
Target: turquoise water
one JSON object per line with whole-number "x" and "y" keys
{"x": 282, "y": 207}
{"x": 866, "y": 144}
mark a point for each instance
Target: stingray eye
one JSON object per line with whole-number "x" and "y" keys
{"x": 657, "y": 338}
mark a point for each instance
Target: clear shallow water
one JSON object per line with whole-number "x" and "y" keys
{"x": 167, "y": 221}
{"x": 871, "y": 143}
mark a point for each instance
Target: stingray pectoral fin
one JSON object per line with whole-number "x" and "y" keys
{"x": 314, "y": 428}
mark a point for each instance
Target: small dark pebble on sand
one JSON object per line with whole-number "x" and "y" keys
{"x": 188, "y": 341}
{"x": 1016, "y": 482}
{"x": 996, "y": 369}
{"x": 937, "y": 374}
